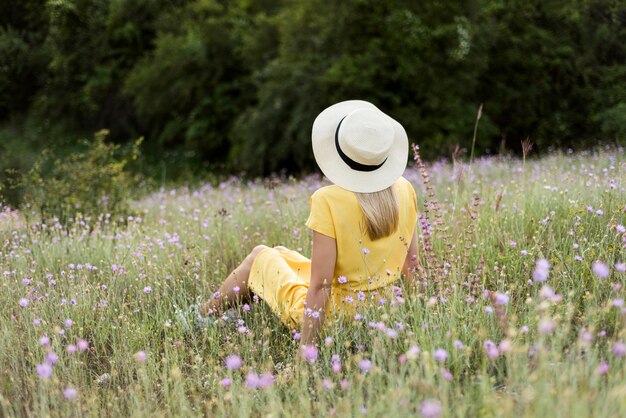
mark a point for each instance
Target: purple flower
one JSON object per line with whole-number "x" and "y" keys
{"x": 266, "y": 380}
{"x": 140, "y": 356}
{"x": 441, "y": 355}
{"x": 52, "y": 358}
{"x": 44, "y": 370}
{"x": 309, "y": 353}
{"x": 546, "y": 326}
{"x": 620, "y": 228}
{"x": 502, "y": 298}
{"x": 327, "y": 384}
{"x": 603, "y": 368}
{"x": 600, "y": 269}
{"x": 68, "y": 323}
{"x": 44, "y": 340}
{"x": 226, "y": 382}
{"x": 491, "y": 349}
{"x": 365, "y": 365}
{"x": 618, "y": 302}
{"x": 542, "y": 270}
{"x": 70, "y": 393}
{"x": 365, "y": 251}
{"x": 512, "y": 244}
{"x": 233, "y": 362}
{"x": 619, "y": 349}
{"x": 23, "y": 302}
{"x": 71, "y": 349}
{"x": 431, "y": 408}
{"x": 458, "y": 345}
{"x": 147, "y": 289}
{"x": 342, "y": 279}
{"x": 252, "y": 380}
{"x": 620, "y": 267}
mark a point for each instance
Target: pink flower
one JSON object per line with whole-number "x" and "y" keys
{"x": 603, "y": 368}
{"x": 23, "y": 302}
{"x": 226, "y": 382}
{"x": 309, "y": 353}
{"x": 619, "y": 349}
{"x": 70, "y": 348}
{"x": 546, "y": 326}
{"x": 233, "y": 362}
{"x": 140, "y": 356}
{"x": 82, "y": 345}
{"x": 44, "y": 340}
{"x": 491, "y": 349}
{"x": 431, "y": 408}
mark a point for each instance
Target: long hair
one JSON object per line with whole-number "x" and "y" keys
{"x": 381, "y": 212}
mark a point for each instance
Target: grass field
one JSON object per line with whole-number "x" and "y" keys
{"x": 520, "y": 311}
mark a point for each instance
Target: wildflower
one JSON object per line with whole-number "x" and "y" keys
{"x": 445, "y": 373}
{"x": 252, "y": 380}
{"x": 502, "y": 298}
{"x": 236, "y": 289}
{"x": 542, "y": 270}
{"x": 619, "y": 349}
{"x": 441, "y": 355}
{"x": 82, "y": 345}
{"x": 327, "y": 384}
{"x": 233, "y": 362}
{"x": 140, "y": 356}
{"x": 600, "y": 269}
{"x": 70, "y": 348}
{"x": 458, "y": 345}
{"x": 246, "y": 307}
{"x": 392, "y": 333}
{"x": 44, "y": 370}
{"x": 70, "y": 393}
{"x": 546, "y": 292}
{"x": 342, "y": 279}
{"x": 52, "y": 358}
{"x": 620, "y": 267}
{"x": 603, "y": 368}
{"x": 599, "y": 212}
{"x": 226, "y": 382}
{"x": 431, "y": 408}
{"x": 23, "y": 302}
{"x": 413, "y": 352}
{"x": 488, "y": 310}
{"x": 44, "y": 340}
{"x": 310, "y": 353}
{"x": 512, "y": 244}
{"x": 349, "y": 299}
{"x": 546, "y": 326}
{"x": 365, "y": 365}
{"x": 524, "y": 253}
{"x": 491, "y": 349}
{"x": 504, "y": 346}
{"x": 618, "y": 303}
{"x": 620, "y": 228}
{"x": 360, "y": 295}
{"x": 147, "y": 289}
{"x": 26, "y": 282}
{"x": 345, "y": 384}
{"x": 68, "y": 323}
{"x": 328, "y": 340}
{"x": 365, "y": 251}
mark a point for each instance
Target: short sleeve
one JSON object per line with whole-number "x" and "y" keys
{"x": 320, "y": 217}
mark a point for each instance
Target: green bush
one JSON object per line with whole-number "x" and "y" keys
{"x": 90, "y": 183}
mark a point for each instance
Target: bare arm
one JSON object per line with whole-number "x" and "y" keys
{"x": 322, "y": 270}
{"x": 412, "y": 264}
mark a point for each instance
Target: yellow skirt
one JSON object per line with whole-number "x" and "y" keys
{"x": 281, "y": 277}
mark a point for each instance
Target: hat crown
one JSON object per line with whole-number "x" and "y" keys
{"x": 366, "y": 136}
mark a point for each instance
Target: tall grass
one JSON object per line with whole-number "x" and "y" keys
{"x": 477, "y": 336}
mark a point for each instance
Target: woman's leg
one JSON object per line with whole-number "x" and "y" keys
{"x": 235, "y": 287}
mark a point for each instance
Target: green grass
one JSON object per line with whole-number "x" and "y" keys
{"x": 184, "y": 242}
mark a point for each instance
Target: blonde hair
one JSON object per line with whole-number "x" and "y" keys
{"x": 381, "y": 212}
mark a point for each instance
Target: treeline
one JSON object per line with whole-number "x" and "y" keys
{"x": 236, "y": 84}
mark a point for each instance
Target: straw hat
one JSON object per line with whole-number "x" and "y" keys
{"x": 358, "y": 147}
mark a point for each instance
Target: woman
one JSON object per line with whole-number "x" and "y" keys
{"x": 363, "y": 228}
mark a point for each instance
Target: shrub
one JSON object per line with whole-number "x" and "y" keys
{"x": 90, "y": 183}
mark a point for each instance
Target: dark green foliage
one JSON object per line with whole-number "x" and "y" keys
{"x": 235, "y": 85}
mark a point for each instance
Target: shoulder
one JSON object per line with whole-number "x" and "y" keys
{"x": 331, "y": 193}
{"x": 404, "y": 186}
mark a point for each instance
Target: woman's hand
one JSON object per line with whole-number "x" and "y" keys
{"x": 323, "y": 260}
{"x": 412, "y": 264}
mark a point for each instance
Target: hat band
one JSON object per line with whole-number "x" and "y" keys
{"x": 349, "y": 161}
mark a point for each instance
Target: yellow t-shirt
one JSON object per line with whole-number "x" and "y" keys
{"x": 363, "y": 264}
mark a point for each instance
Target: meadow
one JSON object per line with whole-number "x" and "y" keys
{"x": 519, "y": 310}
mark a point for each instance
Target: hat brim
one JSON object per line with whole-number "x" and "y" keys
{"x": 337, "y": 171}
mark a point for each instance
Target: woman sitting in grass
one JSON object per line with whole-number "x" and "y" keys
{"x": 363, "y": 228}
